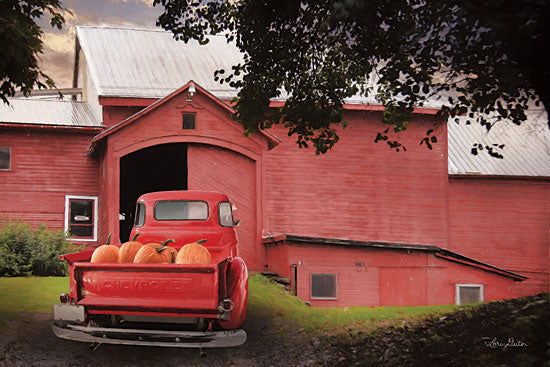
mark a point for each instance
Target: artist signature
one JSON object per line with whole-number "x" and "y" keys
{"x": 504, "y": 344}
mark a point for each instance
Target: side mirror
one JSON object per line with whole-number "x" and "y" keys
{"x": 236, "y": 222}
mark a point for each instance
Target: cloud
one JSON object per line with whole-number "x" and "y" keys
{"x": 57, "y": 60}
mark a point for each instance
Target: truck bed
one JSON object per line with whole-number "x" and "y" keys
{"x": 144, "y": 289}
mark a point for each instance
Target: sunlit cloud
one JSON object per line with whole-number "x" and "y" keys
{"x": 57, "y": 60}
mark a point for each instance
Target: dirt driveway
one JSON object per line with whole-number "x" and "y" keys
{"x": 32, "y": 343}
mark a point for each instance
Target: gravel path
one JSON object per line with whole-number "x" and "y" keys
{"x": 31, "y": 342}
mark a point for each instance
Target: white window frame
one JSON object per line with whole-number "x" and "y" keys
{"x": 335, "y": 286}
{"x": 68, "y": 198}
{"x": 457, "y": 291}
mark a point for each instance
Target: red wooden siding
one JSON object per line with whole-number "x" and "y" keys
{"x": 218, "y": 154}
{"x": 217, "y": 169}
{"x": 46, "y": 166}
{"x": 506, "y": 223}
{"x": 360, "y": 190}
{"x": 370, "y": 277}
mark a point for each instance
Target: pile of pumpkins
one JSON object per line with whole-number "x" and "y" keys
{"x": 152, "y": 253}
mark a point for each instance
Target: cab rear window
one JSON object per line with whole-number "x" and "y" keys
{"x": 181, "y": 210}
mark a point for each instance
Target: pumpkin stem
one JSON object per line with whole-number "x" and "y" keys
{"x": 173, "y": 260}
{"x": 201, "y": 241}
{"x": 135, "y": 237}
{"x": 164, "y": 245}
{"x": 108, "y": 239}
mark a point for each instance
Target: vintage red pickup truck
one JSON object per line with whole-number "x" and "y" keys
{"x": 174, "y": 305}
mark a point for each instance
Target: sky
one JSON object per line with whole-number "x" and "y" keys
{"x": 57, "y": 59}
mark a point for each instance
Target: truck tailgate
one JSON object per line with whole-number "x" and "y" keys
{"x": 152, "y": 289}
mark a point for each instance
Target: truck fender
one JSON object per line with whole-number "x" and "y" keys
{"x": 237, "y": 291}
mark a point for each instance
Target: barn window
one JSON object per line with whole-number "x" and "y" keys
{"x": 468, "y": 293}
{"x": 5, "y": 158}
{"x": 188, "y": 121}
{"x": 323, "y": 286}
{"x": 81, "y": 217}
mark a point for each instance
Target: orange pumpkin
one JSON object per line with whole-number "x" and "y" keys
{"x": 156, "y": 253}
{"x": 128, "y": 250}
{"x": 105, "y": 253}
{"x": 194, "y": 253}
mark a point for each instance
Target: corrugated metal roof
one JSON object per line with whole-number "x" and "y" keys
{"x": 150, "y": 63}
{"x": 48, "y": 112}
{"x": 526, "y": 148}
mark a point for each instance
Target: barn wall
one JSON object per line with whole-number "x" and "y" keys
{"x": 383, "y": 277}
{"x": 218, "y": 169}
{"x": 46, "y": 166}
{"x": 214, "y": 128}
{"x": 360, "y": 190}
{"x": 112, "y": 115}
{"x": 277, "y": 259}
{"x": 506, "y": 223}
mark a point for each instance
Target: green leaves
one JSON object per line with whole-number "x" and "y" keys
{"x": 318, "y": 54}
{"x": 21, "y": 44}
{"x": 31, "y": 251}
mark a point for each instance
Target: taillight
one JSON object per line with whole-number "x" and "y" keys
{"x": 64, "y": 297}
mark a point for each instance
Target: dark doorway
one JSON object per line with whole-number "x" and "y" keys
{"x": 158, "y": 168}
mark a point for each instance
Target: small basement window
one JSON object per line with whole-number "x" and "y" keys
{"x": 323, "y": 286}
{"x": 468, "y": 293}
{"x": 5, "y": 158}
{"x": 188, "y": 121}
{"x": 81, "y": 218}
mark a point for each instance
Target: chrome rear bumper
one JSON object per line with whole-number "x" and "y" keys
{"x": 162, "y": 338}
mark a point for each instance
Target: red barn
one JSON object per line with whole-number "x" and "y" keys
{"x": 360, "y": 225}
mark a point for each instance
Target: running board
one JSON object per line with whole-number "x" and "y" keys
{"x": 161, "y": 338}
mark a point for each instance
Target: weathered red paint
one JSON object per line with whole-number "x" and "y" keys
{"x": 386, "y": 277}
{"x": 46, "y": 165}
{"x": 505, "y": 222}
{"x": 359, "y": 190}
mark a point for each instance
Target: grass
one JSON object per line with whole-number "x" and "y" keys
{"x": 267, "y": 300}
{"x": 30, "y": 295}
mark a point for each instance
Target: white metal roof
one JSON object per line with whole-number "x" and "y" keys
{"x": 48, "y": 112}
{"x": 526, "y": 148}
{"x": 151, "y": 64}
{"x": 144, "y": 63}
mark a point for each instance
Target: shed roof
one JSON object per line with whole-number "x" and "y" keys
{"x": 437, "y": 251}
{"x": 526, "y": 148}
{"x": 48, "y": 112}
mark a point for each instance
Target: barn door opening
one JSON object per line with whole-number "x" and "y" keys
{"x": 158, "y": 168}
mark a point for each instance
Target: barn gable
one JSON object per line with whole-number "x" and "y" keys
{"x": 212, "y": 119}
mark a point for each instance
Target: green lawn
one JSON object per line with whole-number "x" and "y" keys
{"x": 30, "y": 294}
{"x": 266, "y": 300}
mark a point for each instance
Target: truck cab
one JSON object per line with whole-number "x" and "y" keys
{"x": 175, "y": 305}
{"x": 187, "y": 216}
